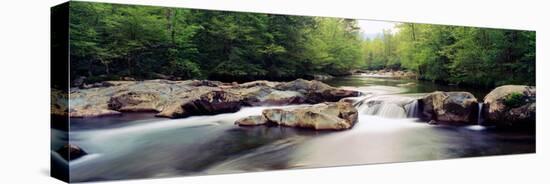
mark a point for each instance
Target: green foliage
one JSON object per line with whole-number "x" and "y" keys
{"x": 514, "y": 100}
{"x": 108, "y": 41}
{"x": 334, "y": 45}
{"x": 144, "y": 41}
{"x": 456, "y": 55}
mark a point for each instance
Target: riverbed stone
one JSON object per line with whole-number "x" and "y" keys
{"x": 251, "y": 121}
{"x": 450, "y": 107}
{"x": 89, "y": 111}
{"x": 71, "y": 152}
{"x": 511, "y": 105}
{"x": 323, "y": 116}
{"x": 265, "y": 95}
{"x": 209, "y": 103}
{"x": 316, "y": 91}
{"x": 137, "y": 101}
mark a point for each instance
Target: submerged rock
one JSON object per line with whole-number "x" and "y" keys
{"x": 70, "y": 152}
{"x": 511, "y": 105}
{"x": 451, "y": 107}
{"x": 323, "y": 116}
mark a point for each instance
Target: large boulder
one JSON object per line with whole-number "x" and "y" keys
{"x": 316, "y": 92}
{"x": 135, "y": 102}
{"x": 209, "y": 103}
{"x": 323, "y": 116}
{"x": 450, "y": 107}
{"x": 71, "y": 152}
{"x": 510, "y": 105}
{"x": 303, "y": 86}
{"x": 277, "y": 97}
{"x": 264, "y": 95}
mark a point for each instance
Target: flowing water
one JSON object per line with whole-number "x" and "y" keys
{"x": 141, "y": 146}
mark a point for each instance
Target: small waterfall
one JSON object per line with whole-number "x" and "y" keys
{"x": 387, "y": 110}
{"x": 479, "y": 126}
{"x": 412, "y": 109}
{"x": 359, "y": 102}
{"x": 479, "y": 113}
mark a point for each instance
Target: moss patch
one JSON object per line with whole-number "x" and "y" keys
{"x": 514, "y": 100}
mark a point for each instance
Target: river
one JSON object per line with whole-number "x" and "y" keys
{"x": 139, "y": 145}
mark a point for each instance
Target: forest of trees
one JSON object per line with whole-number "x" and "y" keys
{"x": 456, "y": 55}
{"x": 109, "y": 41}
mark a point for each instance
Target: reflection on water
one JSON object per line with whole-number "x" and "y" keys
{"x": 141, "y": 146}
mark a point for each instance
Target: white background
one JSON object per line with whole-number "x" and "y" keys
{"x": 24, "y": 91}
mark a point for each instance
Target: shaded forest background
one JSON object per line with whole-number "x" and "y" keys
{"x": 109, "y": 41}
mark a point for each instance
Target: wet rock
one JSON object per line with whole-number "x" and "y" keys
{"x": 511, "y": 105}
{"x": 92, "y": 112}
{"x": 135, "y": 102}
{"x": 283, "y": 98}
{"x": 451, "y": 107}
{"x": 257, "y": 95}
{"x": 317, "y": 92}
{"x": 71, "y": 152}
{"x": 304, "y": 86}
{"x": 209, "y": 103}
{"x": 351, "y": 100}
{"x": 323, "y": 116}
{"x": 251, "y": 121}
